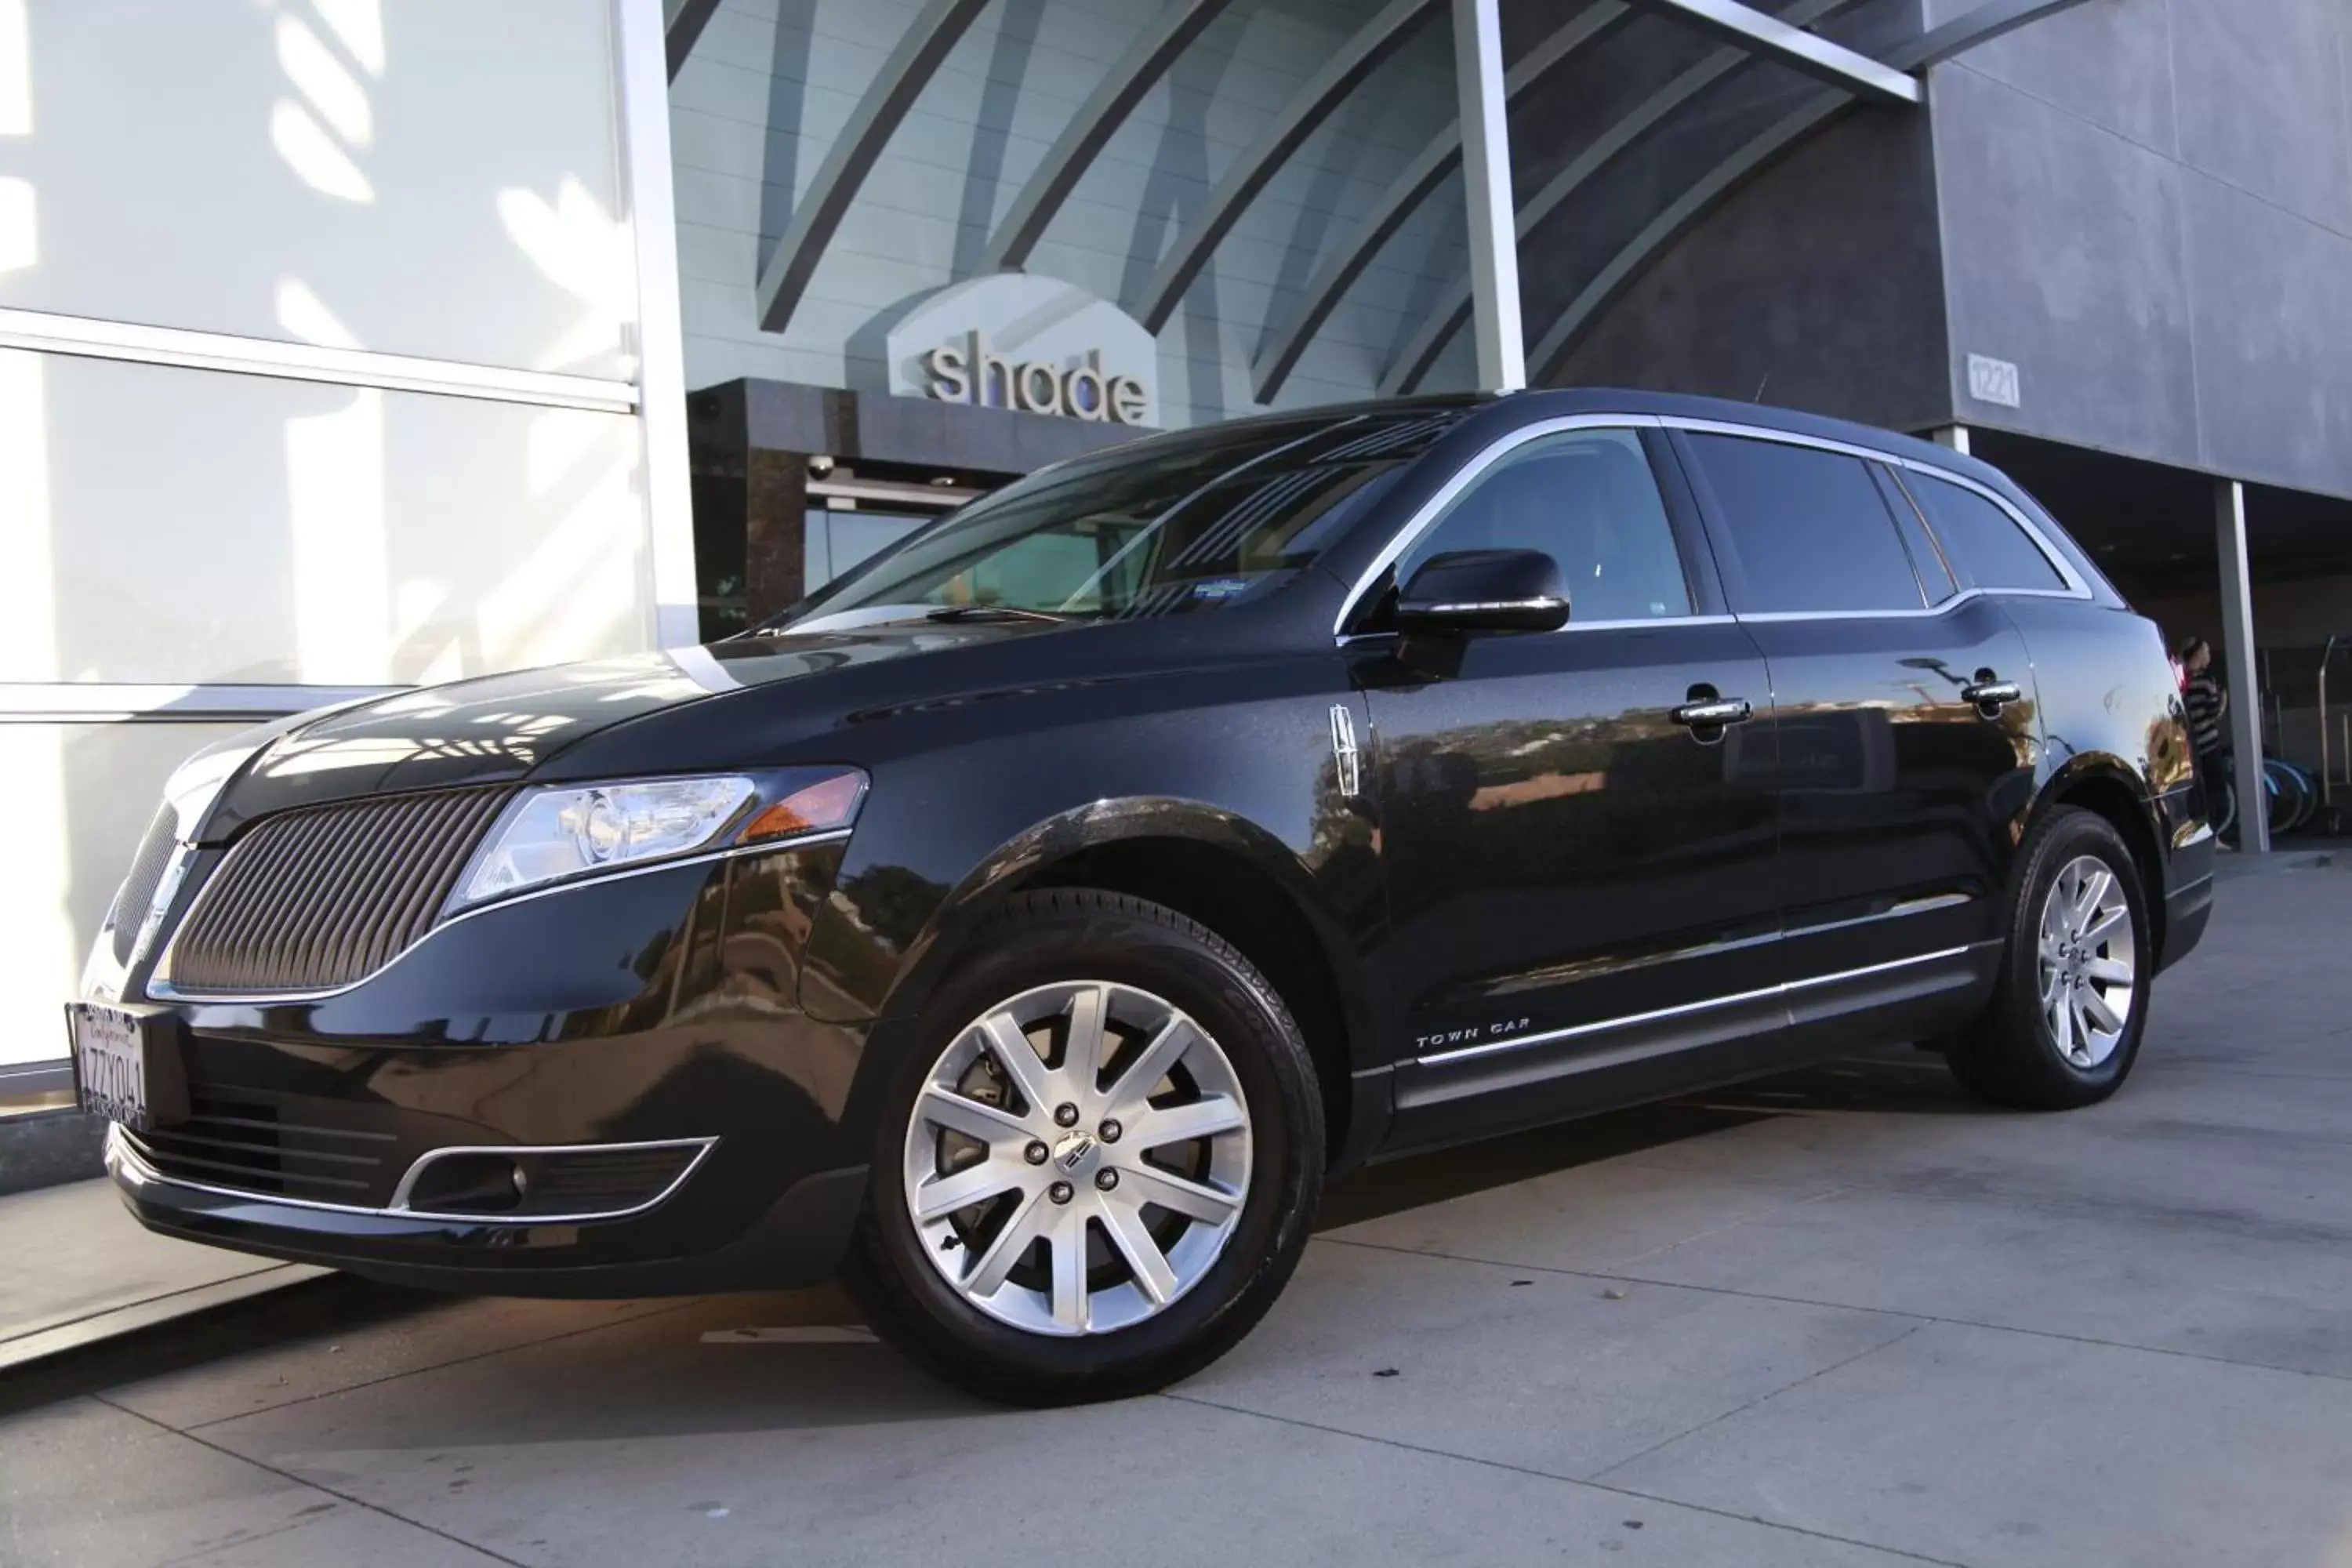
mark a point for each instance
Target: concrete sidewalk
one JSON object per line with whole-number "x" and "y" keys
{"x": 1841, "y": 1317}
{"x": 75, "y": 1269}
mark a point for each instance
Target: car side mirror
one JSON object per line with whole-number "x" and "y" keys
{"x": 1485, "y": 590}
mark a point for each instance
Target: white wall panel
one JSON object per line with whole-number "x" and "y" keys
{"x": 191, "y": 526}
{"x": 428, "y": 177}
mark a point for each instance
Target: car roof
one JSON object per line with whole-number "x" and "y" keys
{"x": 1517, "y": 407}
{"x": 1760, "y": 416}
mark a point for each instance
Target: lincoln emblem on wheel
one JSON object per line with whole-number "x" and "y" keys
{"x": 1022, "y": 927}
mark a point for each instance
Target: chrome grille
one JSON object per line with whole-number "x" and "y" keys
{"x": 245, "y": 1145}
{"x": 138, "y": 890}
{"x": 327, "y": 895}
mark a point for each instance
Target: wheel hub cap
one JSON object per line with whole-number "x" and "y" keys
{"x": 1138, "y": 1193}
{"x": 2089, "y": 961}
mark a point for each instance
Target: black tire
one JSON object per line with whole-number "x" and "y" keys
{"x": 1066, "y": 935}
{"x": 2008, "y": 1054}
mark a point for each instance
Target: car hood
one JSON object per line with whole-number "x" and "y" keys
{"x": 496, "y": 728}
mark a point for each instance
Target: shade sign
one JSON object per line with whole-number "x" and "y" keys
{"x": 1013, "y": 340}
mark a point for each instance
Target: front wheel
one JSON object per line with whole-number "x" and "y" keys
{"x": 2064, "y": 1024}
{"x": 1098, "y": 1168}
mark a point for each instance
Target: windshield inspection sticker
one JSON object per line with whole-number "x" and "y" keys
{"x": 1219, "y": 587}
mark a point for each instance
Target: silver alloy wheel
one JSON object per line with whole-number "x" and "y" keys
{"x": 2089, "y": 961}
{"x": 1077, "y": 1158}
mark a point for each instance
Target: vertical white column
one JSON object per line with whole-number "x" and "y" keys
{"x": 1487, "y": 194}
{"x": 1955, "y": 437}
{"x": 2245, "y": 717}
{"x": 644, "y": 80}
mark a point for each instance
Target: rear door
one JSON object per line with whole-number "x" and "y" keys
{"x": 1575, "y": 876}
{"x": 1902, "y": 708}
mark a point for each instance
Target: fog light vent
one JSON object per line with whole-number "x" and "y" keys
{"x": 598, "y": 1181}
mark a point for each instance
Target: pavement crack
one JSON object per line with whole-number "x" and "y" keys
{"x": 242, "y": 1542}
{"x": 1564, "y": 1480}
{"x": 309, "y": 1485}
{"x": 1721, "y": 1416}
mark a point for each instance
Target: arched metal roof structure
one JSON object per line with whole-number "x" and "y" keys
{"x": 1549, "y": 357}
{"x": 1123, "y": 86}
{"x": 1324, "y": 92}
{"x": 1627, "y": 132}
{"x": 1414, "y": 184}
{"x": 1747, "y": 37}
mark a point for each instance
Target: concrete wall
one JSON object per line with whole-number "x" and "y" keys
{"x": 2146, "y": 205}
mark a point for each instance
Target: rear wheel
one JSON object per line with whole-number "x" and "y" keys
{"x": 1098, "y": 1168}
{"x": 2064, "y": 1024}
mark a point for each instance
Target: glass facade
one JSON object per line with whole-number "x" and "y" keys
{"x": 328, "y": 368}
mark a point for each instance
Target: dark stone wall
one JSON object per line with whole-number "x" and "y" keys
{"x": 1817, "y": 285}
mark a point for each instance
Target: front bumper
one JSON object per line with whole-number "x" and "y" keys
{"x": 650, "y": 1022}
{"x": 797, "y": 1239}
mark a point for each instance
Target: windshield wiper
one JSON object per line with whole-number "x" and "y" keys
{"x": 991, "y": 613}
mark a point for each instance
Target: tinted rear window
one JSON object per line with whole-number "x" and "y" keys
{"x": 1986, "y": 546}
{"x": 1809, "y": 531}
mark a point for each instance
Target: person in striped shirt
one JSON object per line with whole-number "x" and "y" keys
{"x": 2207, "y": 701}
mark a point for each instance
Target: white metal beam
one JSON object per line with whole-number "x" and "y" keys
{"x": 92, "y": 338}
{"x": 1487, "y": 196}
{"x": 2245, "y": 715}
{"x": 643, "y": 75}
{"x": 1774, "y": 40}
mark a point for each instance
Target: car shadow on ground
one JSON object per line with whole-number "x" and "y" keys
{"x": 1901, "y": 1081}
{"x": 797, "y": 1359}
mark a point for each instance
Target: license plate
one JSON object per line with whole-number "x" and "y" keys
{"x": 123, "y": 1069}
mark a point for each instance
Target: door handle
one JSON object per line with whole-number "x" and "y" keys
{"x": 1713, "y": 714}
{"x": 1991, "y": 696}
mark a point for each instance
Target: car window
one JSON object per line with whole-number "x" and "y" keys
{"x": 1926, "y": 555}
{"x": 1168, "y": 526}
{"x": 1589, "y": 499}
{"x": 1985, "y": 544}
{"x": 1807, "y": 530}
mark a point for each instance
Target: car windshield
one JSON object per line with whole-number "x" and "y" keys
{"x": 1167, "y": 527}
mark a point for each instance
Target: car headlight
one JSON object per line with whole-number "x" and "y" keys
{"x": 555, "y": 833}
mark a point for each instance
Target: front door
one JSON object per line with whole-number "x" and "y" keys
{"x": 1577, "y": 880}
{"x": 1904, "y": 718}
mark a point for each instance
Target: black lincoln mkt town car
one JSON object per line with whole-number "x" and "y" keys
{"x": 1024, "y": 925}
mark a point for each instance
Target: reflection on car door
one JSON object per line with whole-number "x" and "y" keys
{"x": 1568, "y": 868}
{"x": 1904, "y": 712}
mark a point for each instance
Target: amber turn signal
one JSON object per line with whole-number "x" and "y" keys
{"x": 827, "y": 804}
